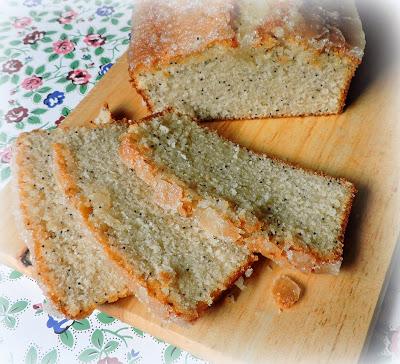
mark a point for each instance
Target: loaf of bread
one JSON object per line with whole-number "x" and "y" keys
{"x": 169, "y": 261}
{"x": 236, "y": 59}
{"x": 288, "y": 214}
{"x": 71, "y": 267}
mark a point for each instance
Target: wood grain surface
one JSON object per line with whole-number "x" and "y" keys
{"x": 331, "y": 321}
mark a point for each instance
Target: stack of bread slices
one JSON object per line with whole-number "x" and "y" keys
{"x": 166, "y": 210}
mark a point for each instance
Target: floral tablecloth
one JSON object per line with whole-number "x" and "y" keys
{"x": 52, "y": 52}
{"x": 29, "y": 335}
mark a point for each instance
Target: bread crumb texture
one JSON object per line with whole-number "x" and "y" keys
{"x": 71, "y": 267}
{"x": 303, "y": 213}
{"x": 178, "y": 264}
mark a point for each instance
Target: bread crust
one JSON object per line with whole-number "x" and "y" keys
{"x": 164, "y": 32}
{"x": 38, "y": 233}
{"x": 243, "y": 230}
{"x": 64, "y": 166}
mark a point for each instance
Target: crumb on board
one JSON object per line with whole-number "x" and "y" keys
{"x": 285, "y": 291}
{"x": 248, "y": 272}
{"x": 104, "y": 116}
{"x": 240, "y": 283}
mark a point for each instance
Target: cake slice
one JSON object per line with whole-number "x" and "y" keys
{"x": 71, "y": 267}
{"x": 171, "y": 263}
{"x": 288, "y": 214}
{"x": 236, "y": 59}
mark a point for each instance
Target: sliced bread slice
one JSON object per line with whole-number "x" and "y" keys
{"x": 170, "y": 261}
{"x": 72, "y": 268}
{"x": 282, "y": 211}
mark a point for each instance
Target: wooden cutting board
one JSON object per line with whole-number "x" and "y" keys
{"x": 331, "y": 321}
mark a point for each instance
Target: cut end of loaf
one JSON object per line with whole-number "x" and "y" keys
{"x": 232, "y": 83}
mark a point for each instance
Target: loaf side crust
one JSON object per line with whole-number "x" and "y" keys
{"x": 24, "y": 233}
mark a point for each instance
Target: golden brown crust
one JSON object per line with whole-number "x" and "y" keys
{"x": 346, "y": 86}
{"x": 322, "y": 26}
{"x": 166, "y": 30}
{"x": 283, "y": 251}
{"x": 141, "y": 92}
{"x": 64, "y": 166}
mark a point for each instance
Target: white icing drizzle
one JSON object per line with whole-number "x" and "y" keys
{"x": 164, "y": 29}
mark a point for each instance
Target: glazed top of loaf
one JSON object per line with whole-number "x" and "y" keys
{"x": 167, "y": 30}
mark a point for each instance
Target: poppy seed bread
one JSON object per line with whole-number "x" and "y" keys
{"x": 247, "y": 59}
{"x": 71, "y": 267}
{"x": 168, "y": 259}
{"x": 284, "y": 212}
